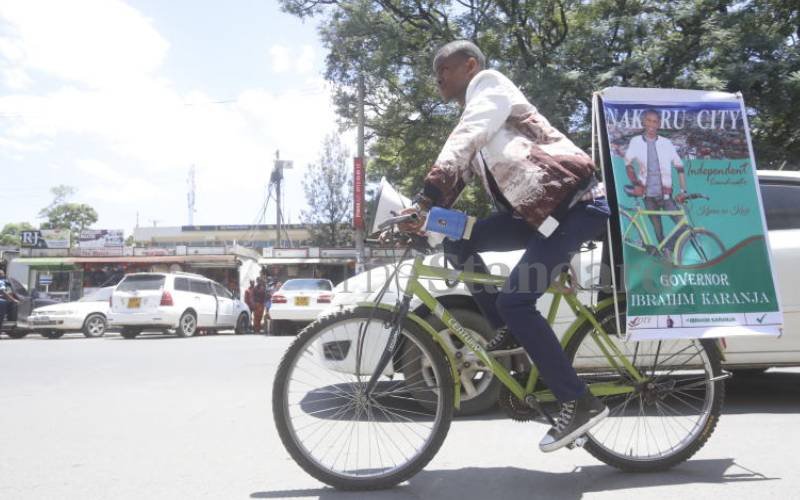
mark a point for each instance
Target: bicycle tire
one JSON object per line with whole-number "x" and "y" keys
{"x": 688, "y": 241}
{"x": 315, "y": 466}
{"x": 636, "y": 460}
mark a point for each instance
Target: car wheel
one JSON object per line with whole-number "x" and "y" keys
{"x": 94, "y": 326}
{"x": 53, "y": 334}
{"x": 480, "y": 389}
{"x": 130, "y": 333}
{"x": 16, "y": 335}
{"x": 187, "y": 325}
{"x": 242, "y": 324}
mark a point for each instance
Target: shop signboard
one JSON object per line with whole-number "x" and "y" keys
{"x": 692, "y": 230}
{"x": 45, "y": 238}
{"x": 101, "y": 242}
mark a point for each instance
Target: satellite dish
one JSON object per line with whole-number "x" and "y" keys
{"x": 388, "y": 203}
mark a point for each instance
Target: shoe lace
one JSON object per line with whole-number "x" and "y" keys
{"x": 566, "y": 415}
{"x": 498, "y": 340}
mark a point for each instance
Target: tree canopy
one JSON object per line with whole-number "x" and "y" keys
{"x": 558, "y": 52}
{"x": 61, "y": 214}
{"x": 328, "y": 188}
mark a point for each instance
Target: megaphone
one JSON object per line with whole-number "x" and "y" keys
{"x": 388, "y": 203}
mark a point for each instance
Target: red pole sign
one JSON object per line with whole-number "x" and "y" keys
{"x": 358, "y": 193}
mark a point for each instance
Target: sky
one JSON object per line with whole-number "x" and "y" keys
{"x": 120, "y": 98}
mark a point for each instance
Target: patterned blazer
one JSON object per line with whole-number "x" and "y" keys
{"x": 534, "y": 165}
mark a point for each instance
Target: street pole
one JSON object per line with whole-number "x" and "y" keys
{"x": 277, "y": 173}
{"x": 359, "y": 230}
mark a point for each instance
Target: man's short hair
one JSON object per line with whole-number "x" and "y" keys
{"x": 464, "y": 48}
{"x": 651, "y": 111}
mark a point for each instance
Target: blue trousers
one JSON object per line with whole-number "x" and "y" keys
{"x": 515, "y": 304}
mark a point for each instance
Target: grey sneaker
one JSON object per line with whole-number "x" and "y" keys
{"x": 575, "y": 419}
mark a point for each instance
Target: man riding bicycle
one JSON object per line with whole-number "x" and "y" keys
{"x": 547, "y": 202}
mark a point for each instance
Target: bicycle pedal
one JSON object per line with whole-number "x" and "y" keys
{"x": 578, "y": 443}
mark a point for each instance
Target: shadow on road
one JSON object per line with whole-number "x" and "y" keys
{"x": 478, "y": 483}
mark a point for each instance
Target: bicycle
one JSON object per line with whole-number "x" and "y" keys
{"x": 693, "y": 245}
{"x": 364, "y": 398}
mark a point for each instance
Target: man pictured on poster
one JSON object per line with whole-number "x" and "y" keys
{"x": 654, "y": 157}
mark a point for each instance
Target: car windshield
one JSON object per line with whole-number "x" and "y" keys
{"x": 306, "y": 285}
{"x": 98, "y": 295}
{"x": 141, "y": 282}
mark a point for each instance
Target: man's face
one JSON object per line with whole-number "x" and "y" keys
{"x": 652, "y": 122}
{"x": 453, "y": 74}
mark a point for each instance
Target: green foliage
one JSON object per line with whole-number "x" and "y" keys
{"x": 328, "y": 187}
{"x": 558, "y": 52}
{"x": 61, "y": 214}
{"x": 10, "y": 235}
{"x": 72, "y": 216}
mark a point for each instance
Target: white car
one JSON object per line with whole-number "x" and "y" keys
{"x": 781, "y": 199}
{"x": 87, "y": 315}
{"x": 298, "y": 302}
{"x": 185, "y": 302}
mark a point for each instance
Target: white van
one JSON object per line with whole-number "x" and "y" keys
{"x": 180, "y": 301}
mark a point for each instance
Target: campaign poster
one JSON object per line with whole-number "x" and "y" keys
{"x": 101, "y": 242}
{"x": 694, "y": 239}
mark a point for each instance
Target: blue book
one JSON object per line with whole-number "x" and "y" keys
{"x": 454, "y": 224}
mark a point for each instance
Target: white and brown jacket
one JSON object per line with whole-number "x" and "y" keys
{"x": 535, "y": 166}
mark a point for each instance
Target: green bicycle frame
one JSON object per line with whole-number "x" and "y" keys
{"x": 583, "y": 314}
{"x": 636, "y": 220}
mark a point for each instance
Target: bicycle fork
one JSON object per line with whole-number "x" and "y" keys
{"x": 391, "y": 345}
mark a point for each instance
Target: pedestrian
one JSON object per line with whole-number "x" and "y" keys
{"x": 259, "y": 298}
{"x": 248, "y": 299}
{"x": 9, "y": 300}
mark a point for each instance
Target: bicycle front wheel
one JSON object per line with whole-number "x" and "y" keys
{"x": 669, "y": 416}
{"x": 343, "y": 436}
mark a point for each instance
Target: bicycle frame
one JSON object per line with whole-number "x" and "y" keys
{"x": 583, "y": 314}
{"x": 638, "y": 214}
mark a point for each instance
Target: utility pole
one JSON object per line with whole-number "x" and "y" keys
{"x": 190, "y": 195}
{"x": 276, "y": 178}
{"x": 358, "y": 184}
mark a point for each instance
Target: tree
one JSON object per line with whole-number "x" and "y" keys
{"x": 558, "y": 52}
{"x": 10, "y": 235}
{"x": 60, "y": 194}
{"x": 61, "y": 214}
{"x": 328, "y": 187}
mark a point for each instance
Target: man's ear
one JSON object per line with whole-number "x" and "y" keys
{"x": 472, "y": 66}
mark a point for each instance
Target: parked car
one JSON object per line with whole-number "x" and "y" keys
{"x": 298, "y": 302}
{"x": 781, "y": 200}
{"x": 28, "y": 301}
{"x": 87, "y": 315}
{"x": 184, "y": 302}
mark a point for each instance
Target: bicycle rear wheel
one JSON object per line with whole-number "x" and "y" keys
{"x": 671, "y": 414}
{"x": 697, "y": 246}
{"x": 335, "y": 432}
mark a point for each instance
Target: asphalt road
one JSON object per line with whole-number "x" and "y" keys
{"x": 161, "y": 417}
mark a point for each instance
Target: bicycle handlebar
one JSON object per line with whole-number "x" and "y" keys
{"x": 398, "y": 220}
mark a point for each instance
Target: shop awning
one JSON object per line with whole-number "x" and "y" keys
{"x": 46, "y": 262}
{"x": 266, "y": 261}
{"x": 193, "y": 260}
